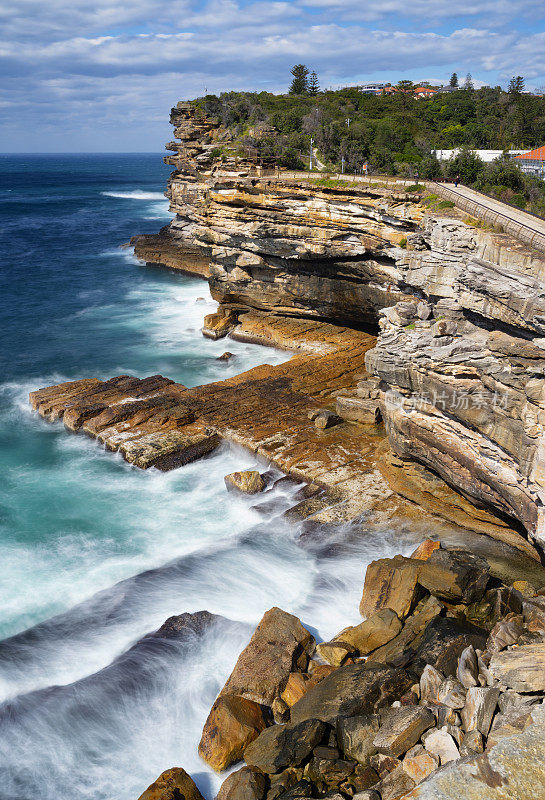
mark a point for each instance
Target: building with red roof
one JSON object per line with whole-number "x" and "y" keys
{"x": 533, "y": 162}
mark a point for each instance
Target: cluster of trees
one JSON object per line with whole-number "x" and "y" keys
{"x": 304, "y": 82}
{"x": 393, "y": 134}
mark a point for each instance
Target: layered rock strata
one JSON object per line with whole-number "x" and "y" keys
{"x": 459, "y": 360}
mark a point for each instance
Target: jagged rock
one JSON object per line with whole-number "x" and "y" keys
{"x": 218, "y": 325}
{"x": 454, "y": 576}
{"x": 505, "y": 632}
{"x": 227, "y": 356}
{"x": 244, "y": 784}
{"x": 171, "y": 785}
{"x": 443, "y": 641}
{"x": 284, "y": 746}
{"x": 249, "y": 481}
{"x": 391, "y": 583}
{"x": 468, "y": 668}
{"x": 521, "y": 669}
{"x": 384, "y": 764}
{"x": 280, "y": 710}
{"x": 354, "y": 689}
{"x": 401, "y": 729}
{"x": 418, "y": 763}
{"x": 356, "y": 734}
{"x": 444, "y": 715}
{"x": 472, "y": 743}
{"x": 232, "y": 724}
{"x": 279, "y": 645}
{"x": 375, "y": 631}
{"x": 479, "y": 709}
{"x": 360, "y": 780}
{"x": 441, "y": 744}
{"x": 512, "y": 768}
{"x": 395, "y": 785}
{"x": 451, "y": 693}
{"x": 430, "y": 682}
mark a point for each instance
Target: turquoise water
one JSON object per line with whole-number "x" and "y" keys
{"x": 96, "y": 554}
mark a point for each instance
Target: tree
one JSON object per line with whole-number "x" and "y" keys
{"x": 469, "y": 82}
{"x": 405, "y": 86}
{"x": 313, "y": 84}
{"x": 516, "y": 85}
{"x": 299, "y": 84}
{"x": 453, "y": 81}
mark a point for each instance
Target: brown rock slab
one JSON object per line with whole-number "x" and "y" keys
{"x": 522, "y": 668}
{"x": 376, "y": 631}
{"x": 391, "y": 583}
{"x": 232, "y": 724}
{"x": 248, "y": 482}
{"x": 361, "y": 410}
{"x": 218, "y": 325}
{"x": 410, "y": 636}
{"x": 168, "y": 450}
{"x": 279, "y": 645}
{"x": 297, "y": 685}
{"x": 401, "y": 729}
{"x": 282, "y": 746}
{"x": 350, "y": 690}
{"x": 171, "y": 785}
{"x": 335, "y": 653}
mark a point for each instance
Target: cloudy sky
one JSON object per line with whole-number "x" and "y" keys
{"x": 101, "y": 75}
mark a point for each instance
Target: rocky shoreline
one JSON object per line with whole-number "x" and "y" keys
{"x": 414, "y": 396}
{"x": 438, "y": 692}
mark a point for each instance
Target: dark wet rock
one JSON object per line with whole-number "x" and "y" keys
{"x": 401, "y": 649}
{"x": 284, "y": 746}
{"x": 356, "y": 734}
{"x": 454, "y": 576}
{"x": 227, "y": 356}
{"x": 330, "y": 772}
{"x": 444, "y": 640}
{"x": 186, "y": 625}
{"x": 244, "y": 784}
{"x": 172, "y": 784}
{"x": 354, "y": 689}
{"x": 495, "y": 604}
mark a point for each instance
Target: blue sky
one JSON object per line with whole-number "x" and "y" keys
{"x": 101, "y": 75}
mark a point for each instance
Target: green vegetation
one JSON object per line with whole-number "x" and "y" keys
{"x": 393, "y": 134}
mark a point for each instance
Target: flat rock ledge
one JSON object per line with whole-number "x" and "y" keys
{"x": 272, "y": 411}
{"x": 438, "y": 693}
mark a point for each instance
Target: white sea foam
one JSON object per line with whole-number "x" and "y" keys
{"x": 136, "y": 194}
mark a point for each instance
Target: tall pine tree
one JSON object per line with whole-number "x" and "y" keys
{"x": 299, "y": 84}
{"x": 313, "y": 84}
{"x": 468, "y": 85}
{"x": 454, "y": 80}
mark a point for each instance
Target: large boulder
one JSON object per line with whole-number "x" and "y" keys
{"x": 283, "y": 746}
{"x": 391, "y": 583}
{"x": 172, "y": 784}
{"x": 407, "y": 641}
{"x": 522, "y": 668}
{"x": 455, "y": 576}
{"x": 355, "y": 736}
{"x": 248, "y": 482}
{"x": 232, "y": 724}
{"x": 377, "y": 630}
{"x": 401, "y": 729}
{"x": 280, "y": 645}
{"x": 244, "y": 784}
{"x": 353, "y": 689}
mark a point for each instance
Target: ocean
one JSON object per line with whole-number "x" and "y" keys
{"x": 96, "y": 554}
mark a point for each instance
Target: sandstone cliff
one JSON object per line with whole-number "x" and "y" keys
{"x": 460, "y": 309}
